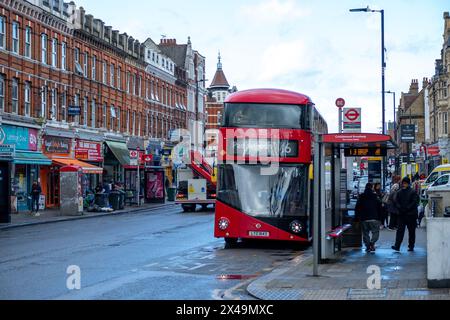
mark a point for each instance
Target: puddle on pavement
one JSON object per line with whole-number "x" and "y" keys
{"x": 236, "y": 276}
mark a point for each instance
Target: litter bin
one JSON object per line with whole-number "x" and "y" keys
{"x": 122, "y": 199}
{"x": 114, "y": 200}
{"x": 171, "y": 192}
{"x": 101, "y": 199}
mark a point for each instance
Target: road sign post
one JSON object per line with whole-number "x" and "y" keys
{"x": 340, "y": 103}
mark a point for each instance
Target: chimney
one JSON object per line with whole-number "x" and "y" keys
{"x": 88, "y": 23}
{"x": 414, "y": 88}
{"x": 424, "y": 83}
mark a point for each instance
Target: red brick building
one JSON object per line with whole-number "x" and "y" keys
{"x": 77, "y": 82}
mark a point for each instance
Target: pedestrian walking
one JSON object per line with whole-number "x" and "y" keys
{"x": 36, "y": 191}
{"x": 368, "y": 211}
{"x": 406, "y": 201}
{"x": 380, "y": 196}
{"x": 391, "y": 208}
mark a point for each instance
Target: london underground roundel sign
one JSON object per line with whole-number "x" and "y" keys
{"x": 352, "y": 114}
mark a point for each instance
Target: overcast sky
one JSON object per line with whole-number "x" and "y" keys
{"x": 316, "y": 47}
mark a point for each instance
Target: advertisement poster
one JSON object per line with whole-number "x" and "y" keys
{"x": 88, "y": 151}
{"x": 155, "y": 185}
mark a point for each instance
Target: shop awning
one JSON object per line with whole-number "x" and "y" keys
{"x": 120, "y": 151}
{"x": 27, "y": 157}
{"x": 86, "y": 167}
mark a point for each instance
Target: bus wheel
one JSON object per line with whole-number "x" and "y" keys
{"x": 230, "y": 242}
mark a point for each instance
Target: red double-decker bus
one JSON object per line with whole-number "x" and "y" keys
{"x": 265, "y": 153}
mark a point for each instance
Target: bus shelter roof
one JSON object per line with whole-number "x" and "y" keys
{"x": 359, "y": 140}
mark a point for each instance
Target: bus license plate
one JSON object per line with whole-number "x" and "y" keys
{"x": 258, "y": 233}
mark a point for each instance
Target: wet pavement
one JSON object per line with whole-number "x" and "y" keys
{"x": 350, "y": 277}
{"x": 157, "y": 254}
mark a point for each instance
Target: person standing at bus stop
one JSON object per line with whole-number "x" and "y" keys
{"x": 35, "y": 195}
{"x": 406, "y": 201}
{"x": 368, "y": 211}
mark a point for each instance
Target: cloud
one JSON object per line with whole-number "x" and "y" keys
{"x": 273, "y": 11}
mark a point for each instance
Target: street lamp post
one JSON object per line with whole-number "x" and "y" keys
{"x": 395, "y": 116}
{"x": 383, "y": 68}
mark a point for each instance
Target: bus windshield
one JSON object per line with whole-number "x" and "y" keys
{"x": 279, "y": 195}
{"x": 244, "y": 115}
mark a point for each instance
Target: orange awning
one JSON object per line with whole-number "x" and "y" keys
{"x": 86, "y": 167}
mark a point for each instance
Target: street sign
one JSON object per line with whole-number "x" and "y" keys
{"x": 74, "y": 110}
{"x": 352, "y": 119}
{"x": 134, "y": 154}
{"x": 340, "y": 103}
{"x": 7, "y": 151}
{"x": 408, "y": 132}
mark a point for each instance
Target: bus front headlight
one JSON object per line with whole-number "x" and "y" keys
{"x": 224, "y": 223}
{"x": 296, "y": 226}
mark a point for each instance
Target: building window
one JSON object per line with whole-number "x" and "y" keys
{"x": 15, "y": 96}
{"x": 78, "y": 68}
{"x": 128, "y": 82}
{"x": 113, "y": 116}
{"x": 93, "y": 113}
{"x": 28, "y": 42}
{"x": 104, "y": 72}
{"x": 15, "y": 37}
{"x": 111, "y": 75}
{"x": 134, "y": 123}
{"x": 77, "y": 104}
{"x": 93, "y": 68}
{"x": 85, "y": 67}
{"x": 2, "y": 92}
{"x": 54, "y": 110}
{"x": 445, "y": 122}
{"x": 104, "y": 116}
{"x": 44, "y": 102}
{"x": 128, "y": 121}
{"x": 54, "y": 52}
{"x": 85, "y": 111}
{"x": 63, "y": 55}
{"x": 134, "y": 84}
{"x": 118, "y": 120}
{"x": 139, "y": 86}
{"x": 44, "y": 48}
{"x": 2, "y": 32}
{"x": 27, "y": 98}
{"x": 64, "y": 106}
{"x": 119, "y": 78}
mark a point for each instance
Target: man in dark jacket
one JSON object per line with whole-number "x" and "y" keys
{"x": 35, "y": 195}
{"x": 368, "y": 211}
{"x": 406, "y": 201}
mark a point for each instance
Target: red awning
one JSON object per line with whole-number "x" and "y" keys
{"x": 86, "y": 167}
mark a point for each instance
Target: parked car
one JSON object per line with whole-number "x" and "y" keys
{"x": 441, "y": 183}
{"x": 434, "y": 175}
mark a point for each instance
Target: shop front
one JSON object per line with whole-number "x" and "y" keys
{"x": 58, "y": 149}
{"x": 116, "y": 156}
{"x": 26, "y": 163}
{"x": 6, "y": 158}
{"x": 90, "y": 152}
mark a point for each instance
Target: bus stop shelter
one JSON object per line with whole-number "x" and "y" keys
{"x": 330, "y": 187}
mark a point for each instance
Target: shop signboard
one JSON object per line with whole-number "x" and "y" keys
{"x": 56, "y": 145}
{"x": 23, "y": 138}
{"x": 408, "y": 132}
{"x": 88, "y": 151}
